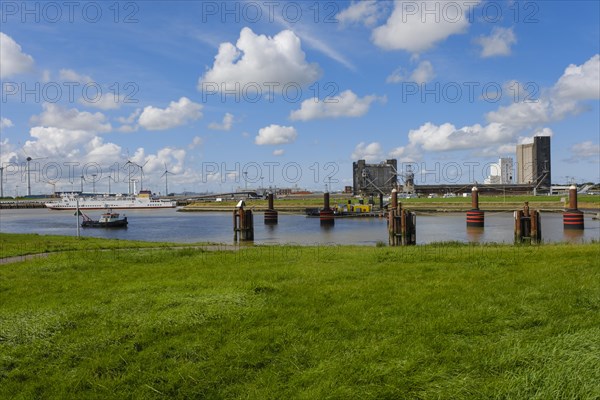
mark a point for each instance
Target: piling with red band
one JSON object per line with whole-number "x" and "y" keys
{"x": 572, "y": 217}
{"x": 573, "y": 220}
{"x": 475, "y": 217}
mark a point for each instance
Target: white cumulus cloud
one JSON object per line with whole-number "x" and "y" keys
{"x": 108, "y": 101}
{"x": 406, "y": 154}
{"x": 364, "y": 11}
{"x": 412, "y": 28}
{"x": 5, "y": 123}
{"x": 223, "y": 126}
{"x": 431, "y": 137}
{"x": 196, "y": 141}
{"x": 580, "y": 82}
{"x": 347, "y": 104}
{"x": 498, "y": 43}
{"x": 60, "y": 143}
{"x": 71, "y": 119}
{"x": 275, "y": 135}
{"x": 587, "y": 150}
{"x": 101, "y": 152}
{"x": 423, "y": 73}
{"x": 176, "y": 114}
{"x": 259, "y": 59}
{"x": 509, "y": 124}
{"x": 371, "y": 152}
{"x": 7, "y": 152}
{"x": 97, "y": 97}
{"x": 173, "y": 157}
{"x": 523, "y": 114}
{"x": 12, "y": 59}
{"x": 69, "y": 75}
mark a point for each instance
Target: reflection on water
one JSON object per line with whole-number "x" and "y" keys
{"x": 169, "y": 225}
{"x": 475, "y": 233}
{"x": 574, "y": 236}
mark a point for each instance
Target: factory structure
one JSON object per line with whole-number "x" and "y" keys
{"x": 533, "y": 163}
{"x": 374, "y": 179}
{"x": 532, "y": 168}
{"x": 533, "y": 175}
{"x": 501, "y": 173}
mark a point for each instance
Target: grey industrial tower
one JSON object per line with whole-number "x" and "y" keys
{"x": 534, "y": 163}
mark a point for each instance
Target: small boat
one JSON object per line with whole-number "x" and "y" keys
{"x": 107, "y": 220}
{"x": 346, "y": 211}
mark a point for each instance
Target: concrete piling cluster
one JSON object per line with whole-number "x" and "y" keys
{"x": 528, "y": 227}
{"x": 402, "y": 222}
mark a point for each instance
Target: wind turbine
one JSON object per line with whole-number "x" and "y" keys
{"x": 166, "y": 175}
{"x": 129, "y": 176}
{"x": 1, "y": 181}
{"x": 142, "y": 175}
{"x": 110, "y": 178}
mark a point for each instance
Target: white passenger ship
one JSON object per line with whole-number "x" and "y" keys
{"x": 143, "y": 200}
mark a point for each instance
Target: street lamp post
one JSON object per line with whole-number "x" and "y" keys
{"x": 29, "y": 176}
{"x": 110, "y": 178}
{"x": 94, "y": 183}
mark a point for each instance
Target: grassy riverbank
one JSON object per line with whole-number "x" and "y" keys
{"x": 438, "y": 321}
{"x": 299, "y": 204}
{"x": 14, "y": 244}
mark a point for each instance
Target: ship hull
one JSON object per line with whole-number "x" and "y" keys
{"x": 122, "y": 223}
{"x": 125, "y": 204}
{"x": 113, "y": 206}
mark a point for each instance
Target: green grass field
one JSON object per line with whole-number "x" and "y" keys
{"x": 588, "y": 201}
{"x": 443, "y": 321}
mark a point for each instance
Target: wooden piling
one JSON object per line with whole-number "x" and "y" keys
{"x": 271, "y": 217}
{"x": 401, "y": 225}
{"x": 527, "y": 225}
{"x": 243, "y": 223}
{"x": 326, "y": 214}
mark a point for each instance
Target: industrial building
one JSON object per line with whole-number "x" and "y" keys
{"x": 501, "y": 173}
{"x": 533, "y": 163}
{"x": 374, "y": 179}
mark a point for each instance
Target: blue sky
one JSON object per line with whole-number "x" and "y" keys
{"x": 448, "y": 86}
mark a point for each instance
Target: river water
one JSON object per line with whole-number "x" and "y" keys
{"x": 186, "y": 227}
